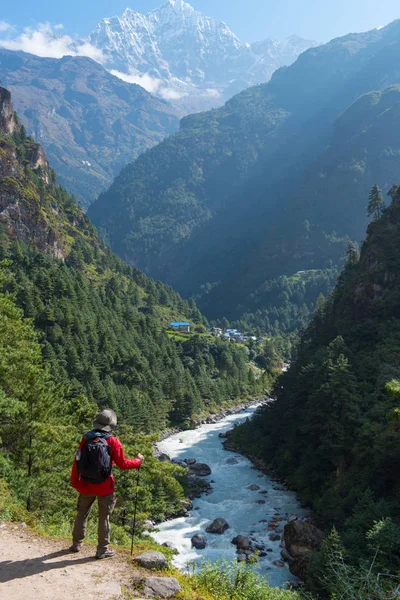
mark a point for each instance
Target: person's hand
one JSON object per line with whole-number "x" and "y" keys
{"x": 140, "y": 457}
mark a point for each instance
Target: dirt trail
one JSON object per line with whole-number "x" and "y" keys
{"x": 39, "y": 568}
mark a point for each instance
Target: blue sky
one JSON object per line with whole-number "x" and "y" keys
{"x": 250, "y": 19}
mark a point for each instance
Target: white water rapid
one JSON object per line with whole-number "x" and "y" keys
{"x": 231, "y": 499}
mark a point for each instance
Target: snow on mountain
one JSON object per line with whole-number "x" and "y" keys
{"x": 184, "y": 56}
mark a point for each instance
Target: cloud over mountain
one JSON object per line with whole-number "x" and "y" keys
{"x": 44, "y": 40}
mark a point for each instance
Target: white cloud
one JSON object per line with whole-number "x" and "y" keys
{"x": 211, "y": 93}
{"x": 43, "y": 41}
{"x": 151, "y": 84}
{"x": 171, "y": 94}
{"x": 58, "y": 26}
{"x": 4, "y": 26}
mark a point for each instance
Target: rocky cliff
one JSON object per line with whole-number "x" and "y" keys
{"x": 33, "y": 208}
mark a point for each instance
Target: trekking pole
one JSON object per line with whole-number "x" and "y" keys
{"x": 134, "y": 513}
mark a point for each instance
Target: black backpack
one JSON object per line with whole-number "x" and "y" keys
{"x": 94, "y": 460}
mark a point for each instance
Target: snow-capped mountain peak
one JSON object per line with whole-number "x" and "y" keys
{"x": 182, "y": 53}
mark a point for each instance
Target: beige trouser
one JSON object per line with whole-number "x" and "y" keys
{"x": 106, "y": 507}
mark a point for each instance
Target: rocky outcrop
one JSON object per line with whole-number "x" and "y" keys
{"x": 28, "y": 209}
{"x": 152, "y": 560}
{"x": 7, "y": 119}
{"x": 218, "y": 526}
{"x": 301, "y": 540}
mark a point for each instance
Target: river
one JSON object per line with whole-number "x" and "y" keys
{"x": 230, "y": 498}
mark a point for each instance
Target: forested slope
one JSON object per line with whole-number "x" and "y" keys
{"x": 103, "y": 324}
{"x": 231, "y": 197}
{"x": 333, "y": 431}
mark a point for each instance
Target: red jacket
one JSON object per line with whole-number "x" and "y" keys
{"x": 107, "y": 487}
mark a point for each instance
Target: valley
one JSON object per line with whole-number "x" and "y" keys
{"x": 202, "y": 235}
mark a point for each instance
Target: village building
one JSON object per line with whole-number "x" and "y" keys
{"x": 182, "y": 326}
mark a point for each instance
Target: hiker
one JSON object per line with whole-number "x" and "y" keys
{"x": 92, "y": 477}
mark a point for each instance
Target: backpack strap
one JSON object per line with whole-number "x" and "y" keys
{"x": 91, "y": 435}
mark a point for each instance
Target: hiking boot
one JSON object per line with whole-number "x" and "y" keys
{"x": 75, "y": 548}
{"x": 106, "y": 554}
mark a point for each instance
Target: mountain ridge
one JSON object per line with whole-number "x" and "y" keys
{"x": 89, "y": 121}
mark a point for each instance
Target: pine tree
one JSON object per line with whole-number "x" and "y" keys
{"x": 352, "y": 253}
{"x": 376, "y": 204}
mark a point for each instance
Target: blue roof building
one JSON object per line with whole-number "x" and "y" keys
{"x": 180, "y": 326}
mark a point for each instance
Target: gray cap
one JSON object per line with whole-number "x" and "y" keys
{"x": 106, "y": 420}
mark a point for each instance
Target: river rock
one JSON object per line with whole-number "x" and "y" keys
{"x": 190, "y": 461}
{"x": 170, "y": 546}
{"x": 259, "y": 546}
{"x": 186, "y": 504}
{"x": 223, "y": 435}
{"x": 200, "y": 470}
{"x": 199, "y": 541}
{"x": 253, "y": 487}
{"x": 241, "y": 542}
{"x": 241, "y": 558}
{"x": 274, "y": 537}
{"x": 164, "y": 457}
{"x": 278, "y": 563}
{"x": 232, "y": 461}
{"x": 260, "y": 501}
{"x": 161, "y": 587}
{"x": 301, "y": 540}
{"x": 218, "y": 526}
{"x": 152, "y": 560}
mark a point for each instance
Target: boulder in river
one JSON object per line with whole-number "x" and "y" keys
{"x": 274, "y": 537}
{"x": 253, "y": 487}
{"x": 152, "y": 560}
{"x": 260, "y": 501}
{"x": 241, "y": 542}
{"x": 223, "y": 435}
{"x": 279, "y": 563}
{"x": 218, "y": 526}
{"x": 199, "y": 541}
{"x": 241, "y": 557}
{"x": 190, "y": 461}
{"x": 232, "y": 461}
{"x": 301, "y": 540}
{"x": 200, "y": 469}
